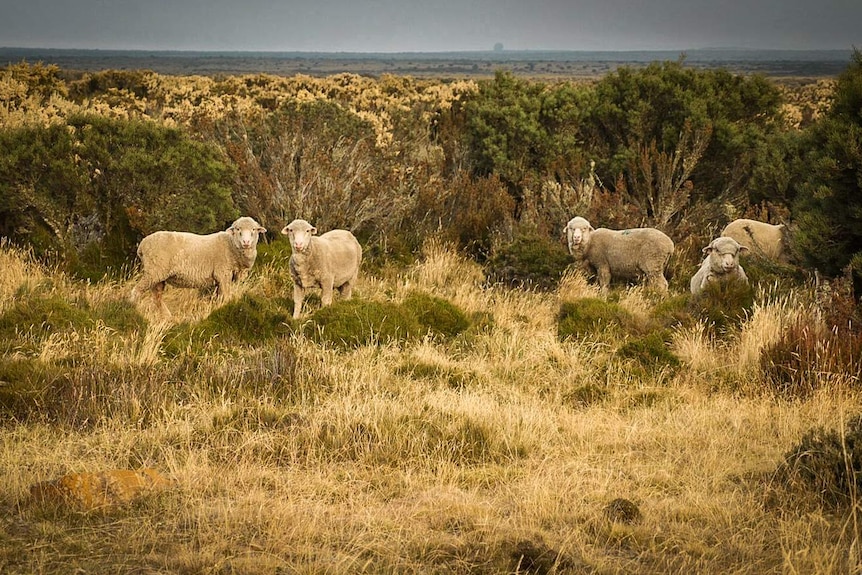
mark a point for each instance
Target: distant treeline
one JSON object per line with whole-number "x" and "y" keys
{"x": 805, "y": 63}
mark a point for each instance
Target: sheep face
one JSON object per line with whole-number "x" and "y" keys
{"x": 245, "y": 233}
{"x": 724, "y": 253}
{"x": 300, "y": 233}
{"x": 578, "y": 233}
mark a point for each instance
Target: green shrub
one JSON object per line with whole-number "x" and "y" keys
{"x": 33, "y": 319}
{"x": 650, "y": 350}
{"x": 82, "y": 392}
{"x": 453, "y": 378}
{"x": 442, "y": 318}
{"x": 826, "y": 466}
{"x": 767, "y": 272}
{"x": 530, "y": 261}
{"x": 827, "y": 209}
{"x": 723, "y": 305}
{"x": 673, "y": 311}
{"x": 120, "y": 315}
{"x": 83, "y": 194}
{"x": 591, "y": 317}
{"x": 249, "y": 320}
{"x": 354, "y": 323}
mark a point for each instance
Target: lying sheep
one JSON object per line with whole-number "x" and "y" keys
{"x": 328, "y": 261}
{"x": 187, "y": 260}
{"x": 766, "y": 240}
{"x": 622, "y": 254}
{"x": 721, "y": 264}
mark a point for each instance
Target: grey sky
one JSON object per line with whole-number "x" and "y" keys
{"x": 431, "y": 25}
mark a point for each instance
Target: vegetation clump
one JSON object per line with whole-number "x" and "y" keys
{"x": 530, "y": 261}
{"x": 651, "y": 350}
{"x": 825, "y": 466}
{"x": 353, "y": 323}
{"x": 442, "y": 318}
{"x": 723, "y": 306}
{"x": 249, "y": 320}
{"x": 591, "y": 317}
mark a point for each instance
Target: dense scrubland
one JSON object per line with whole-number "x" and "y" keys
{"x": 478, "y": 406}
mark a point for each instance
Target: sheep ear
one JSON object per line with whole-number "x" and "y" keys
{"x": 742, "y": 249}
{"x": 262, "y": 230}
{"x": 592, "y": 229}
{"x": 313, "y": 231}
{"x": 707, "y": 249}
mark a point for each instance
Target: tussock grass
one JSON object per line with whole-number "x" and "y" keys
{"x": 653, "y": 447}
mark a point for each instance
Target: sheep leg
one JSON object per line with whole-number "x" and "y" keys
{"x": 657, "y": 282}
{"x": 604, "y": 275}
{"x": 223, "y": 287}
{"x": 157, "y": 290}
{"x": 298, "y": 296}
{"x": 346, "y": 290}
{"x": 326, "y": 292}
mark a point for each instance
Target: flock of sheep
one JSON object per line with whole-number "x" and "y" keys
{"x": 643, "y": 253}
{"x": 331, "y": 260}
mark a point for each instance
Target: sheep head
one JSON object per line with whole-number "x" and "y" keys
{"x": 300, "y": 233}
{"x": 724, "y": 253}
{"x": 245, "y": 232}
{"x": 578, "y": 233}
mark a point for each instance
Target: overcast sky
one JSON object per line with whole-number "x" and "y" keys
{"x": 430, "y": 25}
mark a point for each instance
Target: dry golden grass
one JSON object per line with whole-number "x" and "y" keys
{"x": 493, "y": 453}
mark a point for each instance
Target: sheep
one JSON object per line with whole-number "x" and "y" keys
{"x": 329, "y": 261}
{"x": 624, "y": 254}
{"x": 721, "y": 264}
{"x": 766, "y": 240}
{"x": 187, "y": 260}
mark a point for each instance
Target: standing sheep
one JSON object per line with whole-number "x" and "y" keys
{"x": 721, "y": 264}
{"x": 624, "y": 254}
{"x": 188, "y": 260}
{"x": 766, "y": 240}
{"x": 328, "y": 261}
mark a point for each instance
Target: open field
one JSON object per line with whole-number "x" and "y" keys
{"x": 504, "y": 449}
{"x": 454, "y": 417}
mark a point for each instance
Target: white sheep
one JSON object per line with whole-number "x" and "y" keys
{"x": 188, "y": 260}
{"x": 765, "y": 240}
{"x": 329, "y": 261}
{"x": 623, "y": 254}
{"x": 721, "y": 264}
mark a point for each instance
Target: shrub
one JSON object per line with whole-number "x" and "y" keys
{"x": 451, "y": 376}
{"x": 85, "y": 193}
{"x": 530, "y": 261}
{"x": 809, "y": 356}
{"x": 650, "y": 350}
{"x": 82, "y": 392}
{"x": 472, "y": 211}
{"x": 442, "y": 318}
{"x": 249, "y": 320}
{"x": 826, "y": 465}
{"x": 591, "y": 317}
{"x": 673, "y": 311}
{"x": 24, "y": 385}
{"x": 585, "y": 395}
{"x": 354, "y": 323}
{"x": 723, "y": 305}
{"x": 828, "y": 181}
{"x": 36, "y": 318}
